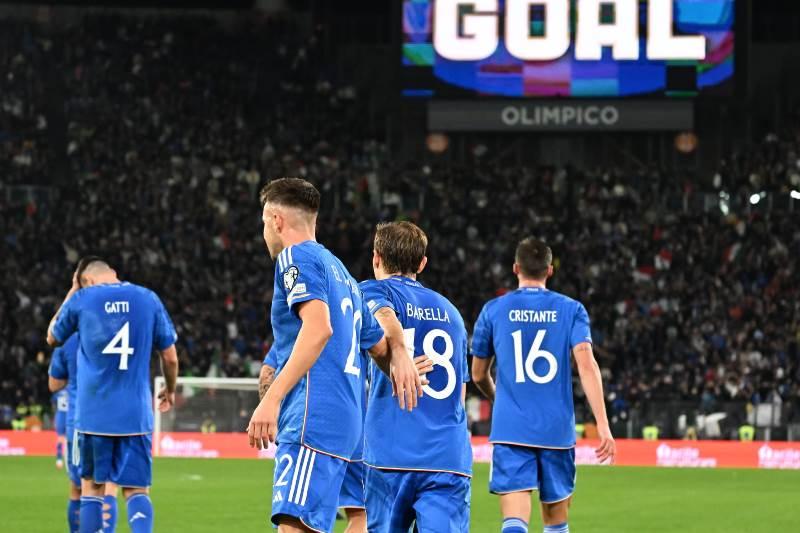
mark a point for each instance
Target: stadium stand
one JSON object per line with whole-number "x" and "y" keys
{"x": 693, "y": 288}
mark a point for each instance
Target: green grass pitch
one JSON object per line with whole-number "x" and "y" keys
{"x": 202, "y": 495}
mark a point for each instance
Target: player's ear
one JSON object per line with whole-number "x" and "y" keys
{"x": 515, "y": 269}
{"x": 550, "y": 271}
{"x": 376, "y": 260}
{"x": 422, "y": 264}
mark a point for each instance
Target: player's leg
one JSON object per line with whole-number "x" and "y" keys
{"x": 390, "y": 499}
{"x": 514, "y": 475}
{"x": 557, "y": 484}
{"x": 133, "y": 471}
{"x": 305, "y": 490}
{"x": 443, "y": 502}
{"x": 73, "y": 471}
{"x": 61, "y": 451}
{"x": 110, "y": 508}
{"x": 95, "y": 465}
{"x": 352, "y": 498}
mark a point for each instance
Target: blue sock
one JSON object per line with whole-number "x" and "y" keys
{"x": 515, "y": 525}
{"x": 59, "y": 450}
{"x": 558, "y": 528}
{"x": 73, "y": 514}
{"x": 140, "y": 513}
{"x": 109, "y": 513}
{"x": 91, "y": 520}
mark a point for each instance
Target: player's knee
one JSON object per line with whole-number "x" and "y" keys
{"x": 290, "y": 524}
{"x": 74, "y": 491}
{"x": 130, "y": 491}
{"x": 556, "y": 513}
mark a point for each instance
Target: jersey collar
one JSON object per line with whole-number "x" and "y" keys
{"x": 406, "y": 280}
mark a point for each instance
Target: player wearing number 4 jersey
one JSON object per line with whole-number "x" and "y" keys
{"x": 313, "y": 409}
{"x": 119, "y": 325}
{"x": 420, "y": 463}
{"x": 532, "y": 332}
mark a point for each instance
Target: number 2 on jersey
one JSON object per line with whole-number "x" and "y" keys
{"x": 350, "y": 367}
{"x": 120, "y": 345}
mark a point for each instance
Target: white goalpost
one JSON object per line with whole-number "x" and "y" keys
{"x": 205, "y": 405}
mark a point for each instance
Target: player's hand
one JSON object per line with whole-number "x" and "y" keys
{"x": 424, "y": 365}
{"x": 406, "y": 382}
{"x": 165, "y": 400}
{"x": 263, "y": 427}
{"x": 607, "y": 450}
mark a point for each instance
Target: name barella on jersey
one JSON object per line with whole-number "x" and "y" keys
{"x": 119, "y": 325}
{"x": 324, "y": 410}
{"x": 64, "y": 366}
{"x": 532, "y": 331}
{"x": 433, "y": 437}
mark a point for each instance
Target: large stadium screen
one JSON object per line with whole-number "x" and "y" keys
{"x": 567, "y": 48}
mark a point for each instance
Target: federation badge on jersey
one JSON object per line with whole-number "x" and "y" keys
{"x": 290, "y": 277}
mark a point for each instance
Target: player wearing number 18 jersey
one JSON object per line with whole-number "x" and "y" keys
{"x": 532, "y": 332}
{"x": 119, "y": 326}
{"x": 420, "y": 463}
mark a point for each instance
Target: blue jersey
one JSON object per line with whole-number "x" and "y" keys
{"x": 433, "y": 437}
{"x": 119, "y": 325}
{"x": 64, "y": 366}
{"x": 532, "y": 331}
{"x": 323, "y": 411}
{"x": 271, "y": 359}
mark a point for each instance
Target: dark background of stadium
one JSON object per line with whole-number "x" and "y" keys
{"x": 692, "y": 287}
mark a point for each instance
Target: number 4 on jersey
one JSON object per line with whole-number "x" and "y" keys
{"x": 120, "y": 345}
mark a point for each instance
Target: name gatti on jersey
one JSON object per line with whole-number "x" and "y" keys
{"x": 427, "y": 313}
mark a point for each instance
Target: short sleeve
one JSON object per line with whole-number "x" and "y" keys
{"x": 58, "y": 364}
{"x": 302, "y": 277}
{"x": 67, "y": 322}
{"x": 271, "y": 360}
{"x": 164, "y": 335}
{"x": 376, "y": 295}
{"x": 482, "y": 342}
{"x": 581, "y": 328}
{"x": 371, "y": 330}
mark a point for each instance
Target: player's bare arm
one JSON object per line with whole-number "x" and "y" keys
{"x": 169, "y": 367}
{"x": 403, "y": 372}
{"x": 592, "y": 383}
{"x": 51, "y": 339}
{"x": 311, "y": 340}
{"x": 55, "y": 384}
{"x": 482, "y": 376}
{"x": 265, "y": 379}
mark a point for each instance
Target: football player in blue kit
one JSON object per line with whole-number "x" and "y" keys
{"x": 313, "y": 409}
{"x": 419, "y": 465}
{"x": 119, "y": 326}
{"x": 62, "y": 380}
{"x": 533, "y": 333}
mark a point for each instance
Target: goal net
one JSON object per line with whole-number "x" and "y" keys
{"x": 209, "y": 418}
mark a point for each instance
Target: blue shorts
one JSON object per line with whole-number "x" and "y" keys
{"x": 60, "y": 423}
{"x": 73, "y": 460}
{"x": 352, "y": 494}
{"x": 126, "y": 460}
{"x": 438, "y": 501}
{"x": 307, "y": 486}
{"x": 522, "y": 468}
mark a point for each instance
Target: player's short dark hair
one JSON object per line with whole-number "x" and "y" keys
{"x": 401, "y": 246}
{"x": 84, "y": 263}
{"x": 534, "y": 258}
{"x": 291, "y": 192}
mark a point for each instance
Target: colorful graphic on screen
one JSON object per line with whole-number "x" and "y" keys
{"x": 427, "y": 73}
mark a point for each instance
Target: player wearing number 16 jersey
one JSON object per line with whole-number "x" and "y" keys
{"x": 420, "y": 463}
{"x": 119, "y": 325}
{"x": 313, "y": 408}
{"x": 532, "y": 332}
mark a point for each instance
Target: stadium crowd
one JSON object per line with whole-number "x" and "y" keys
{"x": 172, "y": 125}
